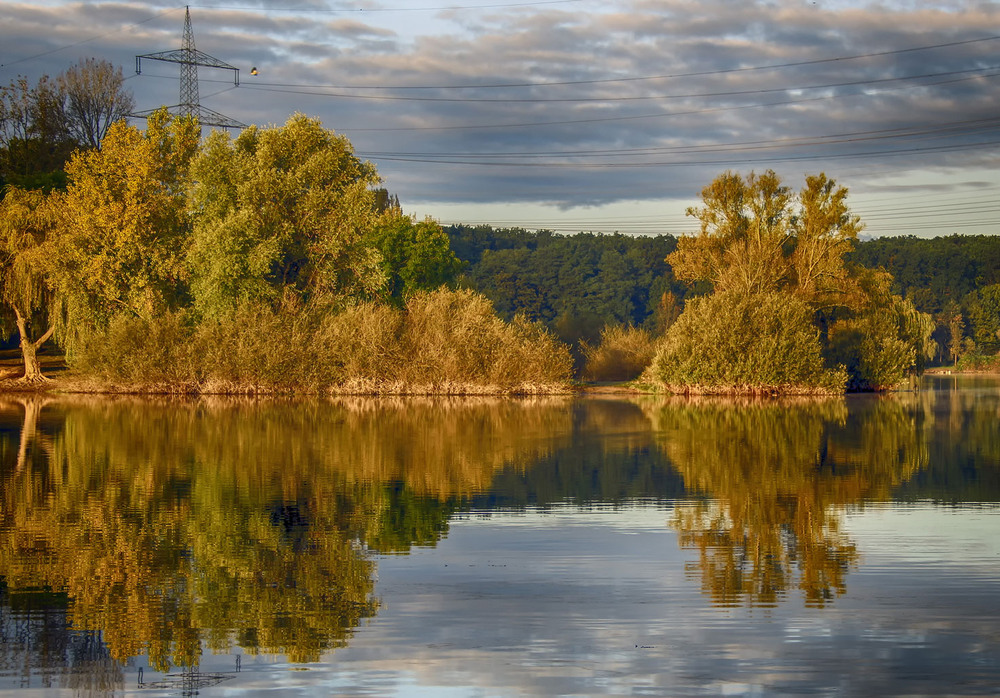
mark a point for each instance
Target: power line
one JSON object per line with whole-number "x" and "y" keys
{"x": 966, "y": 127}
{"x": 85, "y": 41}
{"x": 270, "y": 87}
{"x": 382, "y": 10}
{"x": 669, "y": 76}
{"x": 655, "y": 115}
{"x": 689, "y": 163}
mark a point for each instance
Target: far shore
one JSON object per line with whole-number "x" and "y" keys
{"x": 63, "y": 381}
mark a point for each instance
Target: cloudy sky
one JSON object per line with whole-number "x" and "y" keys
{"x": 597, "y": 115}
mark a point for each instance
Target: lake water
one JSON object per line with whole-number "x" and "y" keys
{"x": 556, "y": 546}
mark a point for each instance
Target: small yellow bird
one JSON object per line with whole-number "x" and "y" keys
{"x": 253, "y": 71}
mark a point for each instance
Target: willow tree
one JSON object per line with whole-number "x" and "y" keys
{"x": 279, "y": 215}
{"x": 26, "y": 221}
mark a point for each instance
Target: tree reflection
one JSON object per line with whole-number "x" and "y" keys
{"x": 779, "y": 474}
{"x": 175, "y": 526}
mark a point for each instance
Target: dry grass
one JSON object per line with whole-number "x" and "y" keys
{"x": 623, "y": 354}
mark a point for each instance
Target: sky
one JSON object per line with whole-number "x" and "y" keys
{"x": 587, "y": 115}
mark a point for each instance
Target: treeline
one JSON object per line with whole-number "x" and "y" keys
{"x": 43, "y": 124}
{"x": 956, "y": 279}
{"x": 550, "y": 278}
{"x": 575, "y": 284}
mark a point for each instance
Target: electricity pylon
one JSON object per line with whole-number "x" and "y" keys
{"x": 190, "y": 58}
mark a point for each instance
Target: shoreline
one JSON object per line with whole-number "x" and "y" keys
{"x": 74, "y": 385}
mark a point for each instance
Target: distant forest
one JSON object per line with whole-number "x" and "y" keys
{"x": 577, "y": 284}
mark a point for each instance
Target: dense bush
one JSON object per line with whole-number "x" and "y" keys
{"x": 622, "y": 354}
{"x": 743, "y": 343}
{"x": 442, "y": 342}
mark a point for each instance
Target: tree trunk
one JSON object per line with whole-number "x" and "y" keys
{"x": 29, "y": 350}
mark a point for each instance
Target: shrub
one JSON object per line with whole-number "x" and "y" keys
{"x": 138, "y": 350}
{"x": 361, "y": 341}
{"x": 257, "y": 349}
{"x": 731, "y": 342}
{"x": 622, "y": 354}
{"x": 442, "y": 341}
{"x": 977, "y": 361}
{"x": 456, "y": 336}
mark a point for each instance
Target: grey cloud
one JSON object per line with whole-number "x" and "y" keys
{"x": 690, "y": 128}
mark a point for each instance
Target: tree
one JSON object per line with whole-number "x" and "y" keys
{"x": 984, "y": 316}
{"x": 26, "y": 221}
{"x": 757, "y": 245}
{"x": 823, "y": 231}
{"x": 279, "y": 215}
{"x": 414, "y": 256}
{"x": 883, "y": 339}
{"x": 744, "y": 343}
{"x": 123, "y": 225}
{"x": 745, "y": 225}
{"x": 95, "y": 97}
{"x": 756, "y": 237}
{"x": 956, "y": 331}
{"x": 35, "y": 142}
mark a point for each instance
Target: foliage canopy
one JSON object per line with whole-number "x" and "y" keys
{"x": 787, "y": 313}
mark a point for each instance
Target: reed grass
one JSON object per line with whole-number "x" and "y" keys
{"x": 442, "y": 342}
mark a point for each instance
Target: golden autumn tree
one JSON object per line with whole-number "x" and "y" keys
{"x": 786, "y": 312}
{"x": 756, "y": 236}
{"x": 123, "y": 226}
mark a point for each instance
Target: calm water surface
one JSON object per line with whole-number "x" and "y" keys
{"x": 502, "y": 548}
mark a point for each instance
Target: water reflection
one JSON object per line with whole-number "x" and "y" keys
{"x": 166, "y": 529}
{"x": 171, "y": 526}
{"x": 777, "y": 475}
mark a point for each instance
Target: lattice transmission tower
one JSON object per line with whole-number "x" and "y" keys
{"x": 190, "y": 58}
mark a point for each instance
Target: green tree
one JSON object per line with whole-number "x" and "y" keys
{"x": 414, "y": 256}
{"x": 279, "y": 216}
{"x": 984, "y": 316}
{"x": 956, "y": 331}
{"x": 883, "y": 339}
{"x": 936, "y": 271}
{"x": 576, "y": 284}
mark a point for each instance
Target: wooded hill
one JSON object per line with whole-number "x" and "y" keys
{"x": 577, "y": 284}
